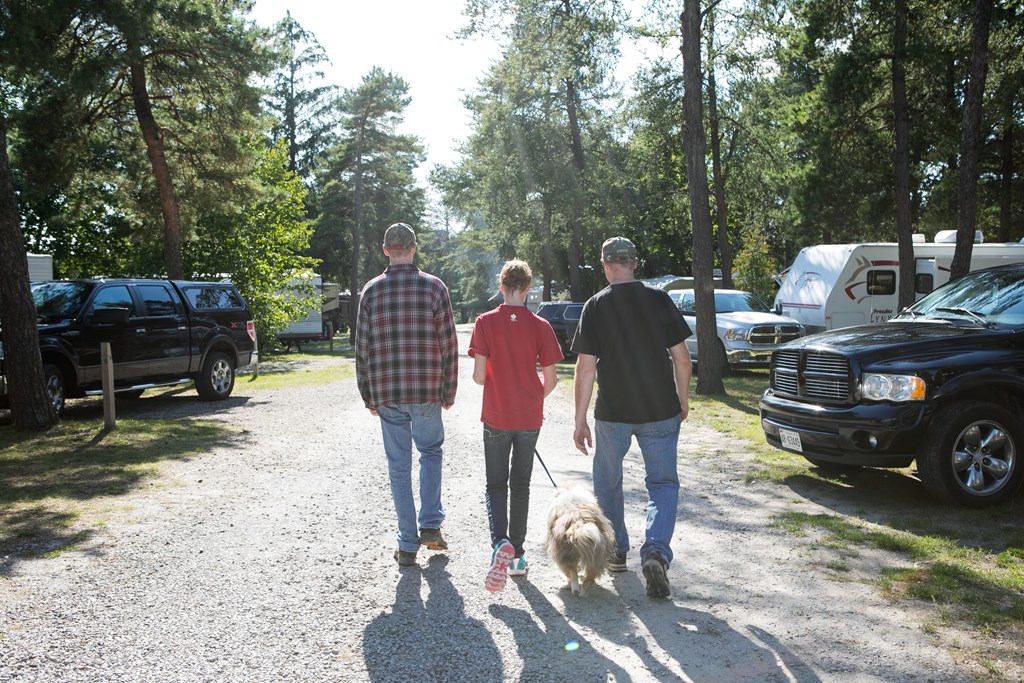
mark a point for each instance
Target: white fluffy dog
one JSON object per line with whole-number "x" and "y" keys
{"x": 580, "y": 537}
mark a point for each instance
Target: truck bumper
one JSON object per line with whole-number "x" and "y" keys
{"x": 876, "y": 435}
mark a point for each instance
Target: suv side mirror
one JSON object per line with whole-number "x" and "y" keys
{"x": 778, "y": 308}
{"x": 115, "y": 315}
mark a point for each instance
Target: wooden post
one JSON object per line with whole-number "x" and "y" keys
{"x": 107, "y": 370}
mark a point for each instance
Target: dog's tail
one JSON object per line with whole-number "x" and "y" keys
{"x": 590, "y": 543}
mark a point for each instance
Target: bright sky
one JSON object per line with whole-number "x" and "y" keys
{"x": 410, "y": 38}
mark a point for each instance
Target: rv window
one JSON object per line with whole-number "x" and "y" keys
{"x": 924, "y": 283}
{"x": 881, "y": 282}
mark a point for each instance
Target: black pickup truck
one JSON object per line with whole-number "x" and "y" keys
{"x": 161, "y": 332}
{"x": 941, "y": 383}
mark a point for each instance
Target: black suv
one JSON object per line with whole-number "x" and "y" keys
{"x": 564, "y": 317}
{"x": 161, "y": 332}
{"x": 941, "y": 383}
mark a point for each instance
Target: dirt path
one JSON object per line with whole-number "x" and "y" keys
{"x": 269, "y": 559}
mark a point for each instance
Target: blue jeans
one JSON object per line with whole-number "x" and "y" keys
{"x": 658, "y": 442}
{"x": 401, "y": 425}
{"x": 504, "y": 474}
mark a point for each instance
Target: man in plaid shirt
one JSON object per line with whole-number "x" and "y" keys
{"x": 407, "y": 370}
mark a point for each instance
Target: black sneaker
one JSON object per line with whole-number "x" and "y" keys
{"x": 657, "y": 578}
{"x": 617, "y": 562}
{"x": 431, "y": 539}
{"x": 405, "y": 558}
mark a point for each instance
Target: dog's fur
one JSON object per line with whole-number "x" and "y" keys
{"x": 580, "y": 538}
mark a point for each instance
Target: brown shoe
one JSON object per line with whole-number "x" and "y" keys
{"x": 405, "y": 558}
{"x": 657, "y": 578}
{"x": 431, "y": 539}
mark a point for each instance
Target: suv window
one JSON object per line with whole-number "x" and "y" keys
{"x": 158, "y": 301}
{"x": 205, "y": 298}
{"x": 116, "y": 296}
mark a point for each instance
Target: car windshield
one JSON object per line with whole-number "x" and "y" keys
{"x": 725, "y": 302}
{"x": 987, "y": 296}
{"x": 59, "y": 300}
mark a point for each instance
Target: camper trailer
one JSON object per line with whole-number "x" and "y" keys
{"x": 839, "y": 285}
{"x": 40, "y": 267}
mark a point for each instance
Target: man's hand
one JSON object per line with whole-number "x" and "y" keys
{"x": 446, "y": 406}
{"x": 581, "y": 437}
{"x": 373, "y": 411}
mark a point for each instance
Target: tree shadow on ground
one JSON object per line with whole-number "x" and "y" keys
{"x": 49, "y": 482}
{"x": 430, "y": 640}
{"x": 899, "y": 501}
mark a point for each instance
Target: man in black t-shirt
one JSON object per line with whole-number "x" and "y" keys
{"x": 630, "y": 337}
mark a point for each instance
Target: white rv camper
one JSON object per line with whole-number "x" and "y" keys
{"x": 310, "y": 327}
{"x": 839, "y": 285}
{"x": 40, "y": 267}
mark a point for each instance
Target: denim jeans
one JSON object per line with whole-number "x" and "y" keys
{"x": 503, "y": 476}
{"x": 401, "y": 425}
{"x": 658, "y": 442}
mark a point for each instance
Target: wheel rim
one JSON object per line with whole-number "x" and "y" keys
{"x": 984, "y": 457}
{"x": 220, "y": 376}
{"x": 55, "y": 390}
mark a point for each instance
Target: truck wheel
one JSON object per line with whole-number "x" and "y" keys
{"x": 971, "y": 456}
{"x": 217, "y": 378}
{"x": 56, "y": 388}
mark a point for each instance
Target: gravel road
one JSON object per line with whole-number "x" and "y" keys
{"x": 268, "y": 558}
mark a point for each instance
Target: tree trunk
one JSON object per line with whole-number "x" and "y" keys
{"x": 901, "y": 125}
{"x": 357, "y": 241}
{"x": 721, "y": 209}
{"x": 579, "y": 165}
{"x": 709, "y": 378}
{"x": 1006, "y": 179}
{"x": 161, "y": 171}
{"x": 967, "y": 192}
{"x": 30, "y": 405}
{"x": 547, "y": 258}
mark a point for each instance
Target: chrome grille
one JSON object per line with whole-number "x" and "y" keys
{"x": 811, "y": 374}
{"x": 773, "y": 334}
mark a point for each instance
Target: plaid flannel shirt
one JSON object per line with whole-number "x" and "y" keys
{"x": 406, "y": 349}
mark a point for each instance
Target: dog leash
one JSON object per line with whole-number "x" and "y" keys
{"x": 537, "y": 453}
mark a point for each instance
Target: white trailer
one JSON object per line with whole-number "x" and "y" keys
{"x": 310, "y": 327}
{"x": 40, "y": 267}
{"x": 840, "y": 285}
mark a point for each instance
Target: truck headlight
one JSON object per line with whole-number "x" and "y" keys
{"x": 735, "y": 335}
{"x": 878, "y": 387}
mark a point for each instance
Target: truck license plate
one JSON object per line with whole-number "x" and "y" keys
{"x": 791, "y": 440}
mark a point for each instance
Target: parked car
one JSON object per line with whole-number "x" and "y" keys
{"x": 564, "y": 317}
{"x": 941, "y": 383}
{"x": 161, "y": 332}
{"x": 748, "y": 331}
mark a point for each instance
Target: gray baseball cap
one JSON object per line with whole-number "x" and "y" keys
{"x": 618, "y": 250}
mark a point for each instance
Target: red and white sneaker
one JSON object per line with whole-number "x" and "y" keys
{"x": 497, "y": 575}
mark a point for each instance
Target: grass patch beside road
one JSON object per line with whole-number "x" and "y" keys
{"x": 969, "y": 562}
{"x": 57, "y": 488}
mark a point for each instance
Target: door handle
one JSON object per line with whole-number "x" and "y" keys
{"x": 140, "y": 330}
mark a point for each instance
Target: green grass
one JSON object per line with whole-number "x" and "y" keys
{"x": 57, "y": 488}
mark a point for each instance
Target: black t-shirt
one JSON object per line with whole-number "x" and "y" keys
{"x": 630, "y": 327}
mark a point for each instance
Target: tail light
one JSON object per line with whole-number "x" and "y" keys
{"x": 250, "y": 327}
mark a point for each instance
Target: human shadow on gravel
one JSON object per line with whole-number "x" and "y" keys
{"x": 703, "y": 647}
{"x": 548, "y": 654}
{"x": 432, "y": 640}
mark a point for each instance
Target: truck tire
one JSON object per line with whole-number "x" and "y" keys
{"x": 56, "y": 386}
{"x": 217, "y": 378}
{"x": 971, "y": 455}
